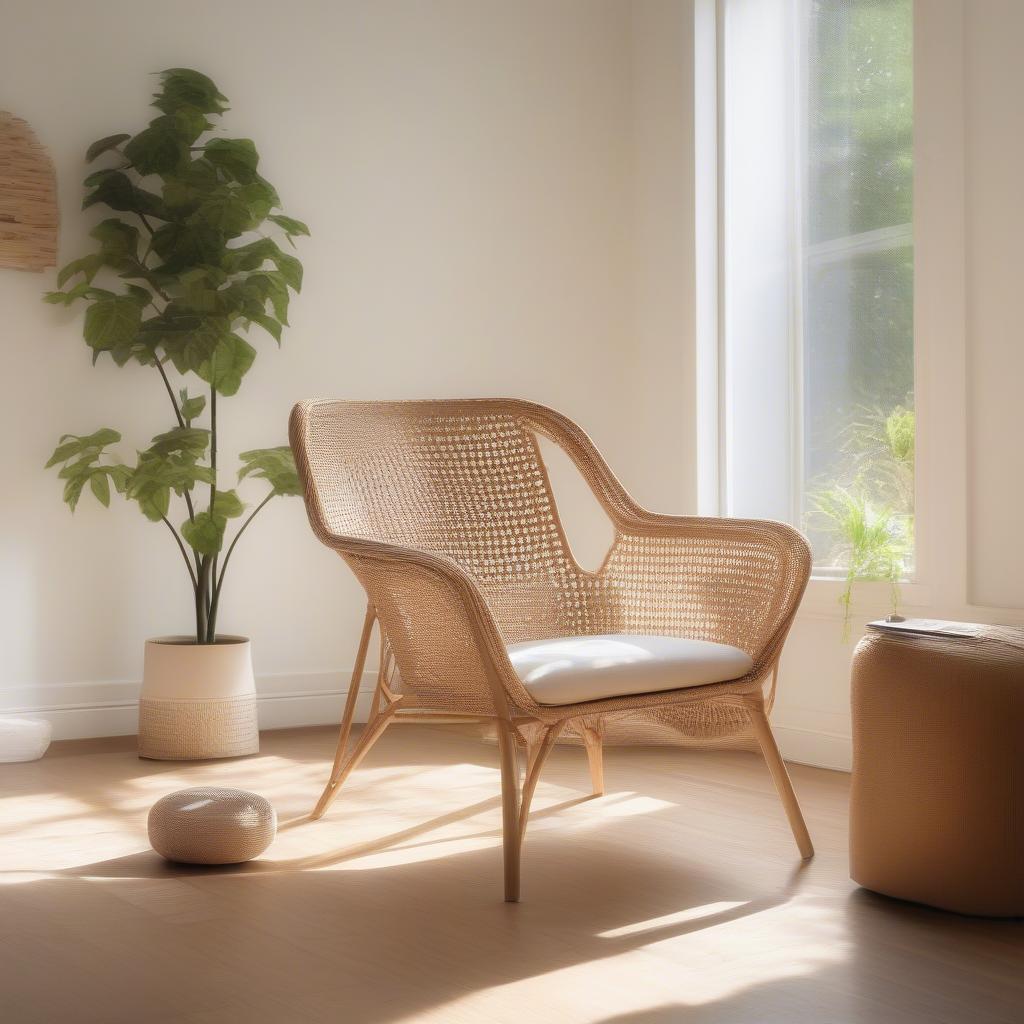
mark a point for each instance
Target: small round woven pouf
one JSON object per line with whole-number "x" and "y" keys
{"x": 209, "y": 825}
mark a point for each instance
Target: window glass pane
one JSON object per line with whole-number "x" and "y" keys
{"x": 856, "y": 288}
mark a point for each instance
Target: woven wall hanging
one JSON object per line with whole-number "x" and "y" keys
{"x": 28, "y": 199}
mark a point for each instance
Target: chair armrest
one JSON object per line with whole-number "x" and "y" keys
{"x": 734, "y": 581}
{"x": 447, "y": 644}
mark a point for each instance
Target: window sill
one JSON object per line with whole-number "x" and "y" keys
{"x": 872, "y": 599}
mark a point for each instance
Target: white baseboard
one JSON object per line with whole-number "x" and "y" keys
{"x": 815, "y": 747}
{"x": 87, "y": 710}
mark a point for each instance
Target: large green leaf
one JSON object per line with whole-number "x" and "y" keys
{"x": 228, "y": 364}
{"x": 151, "y": 493}
{"x": 228, "y": 504}
{"x": 205, "y": 533}
{"x": 235, "y": 157}
{"x": 157, "y": 474}
{"x": 199, "y": 288}
{"x": 116, "y": 238}
{"x": 251, "y": 256}
{"x": 158, "y": 149}
{"x": 275, "y": 465}
{"x": 168, "y": 331}
{"x": 185, "y": 246}
{"x": 184, "y": 89}
{"x": 189, "y": 442}
{"x": 261, "y": 197}
{"x": 112, "y": 323}
{"x": 225, "y": 211}
{"x": 291, "y": 270}
{"x": 80, "y": 456}
{"x": 80, "y": 291}
{"x": 186, "y": 189}
{"x": 77, "y": 444}
{"x": 73, "y": 491}
{"x": 103, "y": 145}
{"x": 101, "y": 488}
{"x": 268, "y": 323}
{"x": 87, "y": 265}
{"x": 115, "y": 189}
{"x": 290, "y": 225}
{"x": 191, "y": 408}
{"x": 268, "y": 285}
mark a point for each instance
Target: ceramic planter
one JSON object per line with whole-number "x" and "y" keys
{"x": 198, "y": 701}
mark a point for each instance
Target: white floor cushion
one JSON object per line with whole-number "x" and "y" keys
{"x": 572, "y": 669}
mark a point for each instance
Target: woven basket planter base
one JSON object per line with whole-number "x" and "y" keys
{"x": 196, "y": 730}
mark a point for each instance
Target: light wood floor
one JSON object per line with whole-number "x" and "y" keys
{"x": 676, "y": 897}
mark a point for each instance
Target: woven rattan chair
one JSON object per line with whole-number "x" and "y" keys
{"x": 444, "y": 512}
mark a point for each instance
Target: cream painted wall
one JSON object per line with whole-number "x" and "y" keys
{"x": 995, "y": 265}
{"x": 661, "y": 348}
{"x": 463, "y": 166}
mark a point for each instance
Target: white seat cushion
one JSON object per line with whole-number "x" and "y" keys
{"x": 573, "y": 669}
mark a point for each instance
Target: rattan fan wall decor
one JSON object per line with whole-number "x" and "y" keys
{"x": 28, "y": 199}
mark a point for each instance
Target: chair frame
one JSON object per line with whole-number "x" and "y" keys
{"x": 524, "y": 727}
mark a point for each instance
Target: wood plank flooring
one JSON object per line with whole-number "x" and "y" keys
{"x": 678, "y": 896}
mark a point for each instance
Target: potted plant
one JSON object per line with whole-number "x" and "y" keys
{"x": 182, "y": 271}
{"x": 868, "y": 511}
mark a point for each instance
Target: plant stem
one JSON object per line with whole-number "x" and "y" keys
{"x": 188, "y": 494}
{"x": 202, "y": 619}
{"x": 209, "y": 595}
{"x": 181, "y": 423}
{"x": 170, "y": 393}
{"x": 227, "y": 557}
{"x": 213, "y": 446}
{"x": 184, "y": 553}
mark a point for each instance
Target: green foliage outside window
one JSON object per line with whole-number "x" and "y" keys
{"x": 858, "y": 291}
{"x": 869, "y": 511}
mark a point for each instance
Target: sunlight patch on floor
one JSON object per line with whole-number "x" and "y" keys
{"x": 680, "y": 917}
{"x": 385, "y": 816}
{"x": 685, "y": 966}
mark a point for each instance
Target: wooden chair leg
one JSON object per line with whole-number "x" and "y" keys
{"x": 509, "y": 809}
{"x": 544, "y": 748}
{"x": 372, "y": 732}
{"x": 349, "y": 712}
{"x": 593, "y": 740}
{"x": 783, "y": 783}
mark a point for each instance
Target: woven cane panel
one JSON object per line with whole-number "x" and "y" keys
{"x": 730, "y": 589}
{"x": 705, "y": 724}
{"x": 432, "y": 638}
{"x": 28, "y": 199}
{"x": 469, "y": 487}
{"x": 465, "y": 480}
{"x": 191, "y": 730}
{"x": 211, "y": 825}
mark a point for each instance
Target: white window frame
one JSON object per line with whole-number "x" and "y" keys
{"x": 939, "y": 583}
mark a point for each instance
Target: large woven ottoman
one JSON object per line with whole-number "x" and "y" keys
{"x": 937, "y": 797}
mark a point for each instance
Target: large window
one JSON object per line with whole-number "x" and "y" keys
{"x": 817, "y": 275}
